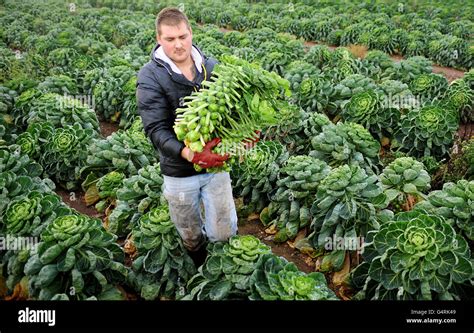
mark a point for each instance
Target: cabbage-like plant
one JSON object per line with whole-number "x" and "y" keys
{"x": 57, "y": 110}
{"x": 289, "y": 131}
{"x": 368, "y": 109}
{"x": 313, "y": 93}
{"x": 19, "y": 175}
{"x": 469, "y": 78}
{"x": 213, "y": 47}
{"x": 379, "y": 59}
{"x": 461, "y": 96}
{"x": 130, "y": 110}
{"x": 461, "y": 162}
{"x": 7, "y": 102}
{"x": 318, "y": 55}
{"x": 276, "y": 56}
{"x": 386, "y": 41}
{"x": 109, "y": 94}
{"x": 298, "y": 181}
{"x": 397, "y": 95}
{"x": 314, "y": 123}
{"x": 347, "y": 204}
{"x": 102, "y": 191}
{"x": 59, "y": 84}
{"x": 298, "y": 72}
{"x": 429, "y": 86}
{"x": 227, "y": 270}
{"x": 31, "y": 141}
{"x": 428, "y": 131}
{"x": 342, "y": 92}
{"x": 406, "y": 70}
{"x": 77, "y": 259}
{"x": 162, "y": 266}
{"x": 65, "y": 153}
{"x": 27, "y": 216}
{"x": 125, "y": 151}
{"x": 415, "y": 256}
{"x": 256, "y": 175}
{"x": 342, "y": 64}
{"x": 455, "y": 202}
{"x": 30, "y": 214}
{"x": 346, "y": 143}
{"x": 277, "y": 279}
{"x": 404, "y": 181}
{"x": 138, "y": 194}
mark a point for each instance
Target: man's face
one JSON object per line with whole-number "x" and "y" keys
{"x": 176, "y": 41}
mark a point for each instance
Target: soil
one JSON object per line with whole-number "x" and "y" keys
{"x": 107, "y": 128}
{"x": 466, "y": 131}
{"x": 256, "y": 228}
{"x": 450, "y": 73}
{"x": 76, "y": 200}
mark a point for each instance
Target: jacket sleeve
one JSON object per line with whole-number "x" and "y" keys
{"x": 156, "y": 115}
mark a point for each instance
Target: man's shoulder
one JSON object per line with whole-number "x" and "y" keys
{"x": 148, "y": 68}
{"x": 150, "y": 72}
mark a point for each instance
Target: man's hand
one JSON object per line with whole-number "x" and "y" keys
{"x": 206, "y": 158}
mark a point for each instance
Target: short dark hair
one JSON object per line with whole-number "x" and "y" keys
{"x": 170, "y": 16}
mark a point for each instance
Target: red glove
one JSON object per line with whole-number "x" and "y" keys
{"x": 208, "y": 159}
{"x": 253, "y": 142}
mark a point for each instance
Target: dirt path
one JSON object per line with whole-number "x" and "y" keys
{"x": 255, "y": 228}
{"x": 107, "y": 128}
{"x": 76, "y": 200}
{"x": 466, "y": 131}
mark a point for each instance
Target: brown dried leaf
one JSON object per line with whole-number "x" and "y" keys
{"x": 253, "y": 217}
{"x": 129, "y": 247}
{"x": 271, "y": 230}
{"x": 92, "y": 195}
{"x": 20, "y": 291}
{"x": 339, "y": 277}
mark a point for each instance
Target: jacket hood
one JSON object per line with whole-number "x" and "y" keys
{"x": 158, "y": 55}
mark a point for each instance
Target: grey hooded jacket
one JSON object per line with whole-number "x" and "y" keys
{"x": 159, "y": 93}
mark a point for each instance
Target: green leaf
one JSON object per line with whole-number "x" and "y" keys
{"x": 154, "y": 260}
{"x": 213, "y": 265}
{"x": 46, "y": 275}
{"x": 410, "y": 174}
{"x": 220, "y": 290}
{"x": 392, "y": 280}
{"x": 51, "y": 253}
{"x": 440, "y": 283}
{"x": 462, "y": 271}
{"x": 391, "y": 194}
{"x": 100, "y": 278}
{"x": 77, "y": 281}
{"x": 448, "y": 260}
{"x": 66, "y": 263}
{"x": 410, "y": 188}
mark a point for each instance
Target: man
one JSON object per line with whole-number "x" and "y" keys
{"x": 177, "y": 68}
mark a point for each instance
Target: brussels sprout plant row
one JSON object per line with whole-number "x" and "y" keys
{"x": 359, "y": 167}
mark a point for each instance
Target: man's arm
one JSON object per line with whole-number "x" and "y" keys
{"x": 156, "y": 116}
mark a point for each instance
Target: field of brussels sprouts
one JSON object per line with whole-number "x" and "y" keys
{"x": 360, "y": 188}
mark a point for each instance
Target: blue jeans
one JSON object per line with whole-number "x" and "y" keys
{"x": 185, "y": 196}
